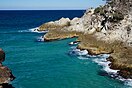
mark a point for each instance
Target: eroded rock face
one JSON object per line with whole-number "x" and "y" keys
{"x": 60, "y": 34}
{"x": 63, "y": 22}
{"x": 5, "y": 73}
{"x": 111, "y": 31}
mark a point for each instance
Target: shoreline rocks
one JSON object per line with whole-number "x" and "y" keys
{"x": 5, "y": 73}
{"x": 120, "y": 56}
{"x": 59, "y": 34}
{"x": 104, "y": 30}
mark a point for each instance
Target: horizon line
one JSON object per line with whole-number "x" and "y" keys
{"x": 40, "y": 9}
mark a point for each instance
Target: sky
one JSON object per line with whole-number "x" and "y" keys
{"x": 48, "y": 4}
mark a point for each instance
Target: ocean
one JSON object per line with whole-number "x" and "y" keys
{"x": 54, "y": 64}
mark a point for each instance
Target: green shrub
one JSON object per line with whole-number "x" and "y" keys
{"x": 116, "y": 17}
{"x": 111, "y": 3}
{"x": 99, "y": 10}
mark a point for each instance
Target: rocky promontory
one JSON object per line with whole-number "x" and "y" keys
{"x": 104, "y": 30}
{"x": 5, "y": 73}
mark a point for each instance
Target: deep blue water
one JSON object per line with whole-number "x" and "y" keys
{"x": 46, "y": 64}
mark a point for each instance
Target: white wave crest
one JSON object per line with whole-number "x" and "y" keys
{"x": 23, "y": 31}
{"x": 40, "y": 39}
{"x": 83, "y": 58}
{"x": 102, "y": 61}
{"x": 105, "y": 65}
{"x": 128, "y": 82}
{"x": 36, "y": 30}
{"x": 112, "y": 73}
{"x": 78, "y": 52}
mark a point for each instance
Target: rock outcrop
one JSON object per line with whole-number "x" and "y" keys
{"x": 63, "y": 22}
{"x": 59, "y": 34}
{"x": 5, "y": 73}
{"x": 104, "y": 30}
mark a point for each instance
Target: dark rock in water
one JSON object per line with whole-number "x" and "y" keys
{"x": 6, "y": 85}
{"x": 2, "y": 55}
{"x": 110, "y": 75}
{"x": 102, "y": 73}
{"x": 5, "y": 73}
{"x": 125, "y": 74}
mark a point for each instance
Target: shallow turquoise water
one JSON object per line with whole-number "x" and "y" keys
{"x": 47, "y": 64}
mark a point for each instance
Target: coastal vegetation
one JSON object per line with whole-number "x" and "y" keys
{"x": 103, "y": 30}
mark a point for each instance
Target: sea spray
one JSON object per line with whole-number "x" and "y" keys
{"x": 33, "y": 30}
{"x": 36, "y": 30}
{"x": 40, "y": 39}
{"x": 77, "y": 52}
{"x": 103, "y": 62}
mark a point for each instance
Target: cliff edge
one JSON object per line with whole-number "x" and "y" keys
{"x": 104, "y": 30}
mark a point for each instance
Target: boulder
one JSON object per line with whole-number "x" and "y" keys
{"x": 5, "y": 73}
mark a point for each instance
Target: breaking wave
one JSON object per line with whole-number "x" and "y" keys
{"x": 102, "y": 61}
{"x": 40, "y": 39}
{"x": 34, "y": 30}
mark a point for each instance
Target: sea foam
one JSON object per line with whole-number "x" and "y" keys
{"x": 78, "y": 52}
{"x": 102, "y": 61}
{"x": 34, "y": 30}
{"x": 40, "y": 39}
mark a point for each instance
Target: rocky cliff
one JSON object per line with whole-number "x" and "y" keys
{"x": 105, "y": 29}
{"x": 5, "y": 73}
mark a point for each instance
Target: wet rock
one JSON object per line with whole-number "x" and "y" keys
{"x": 2, "y": 55}
{"x": 6, "y": 86}
{"x": 125, "y": 73}
{"x": 102, "y": 73}
{"x": 5, "y": 73}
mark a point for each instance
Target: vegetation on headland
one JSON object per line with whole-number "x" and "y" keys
{"x": 106, "y": 29}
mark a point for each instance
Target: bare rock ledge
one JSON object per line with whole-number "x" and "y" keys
{"x": 104, "y": 30}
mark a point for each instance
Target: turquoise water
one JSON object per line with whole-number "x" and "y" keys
{"x": 46, "y": 64}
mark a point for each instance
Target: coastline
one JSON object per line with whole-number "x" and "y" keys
{"x": 98, "y": 34}
{"x": 95, "y": 47}
{"x": 5, "y": 72}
